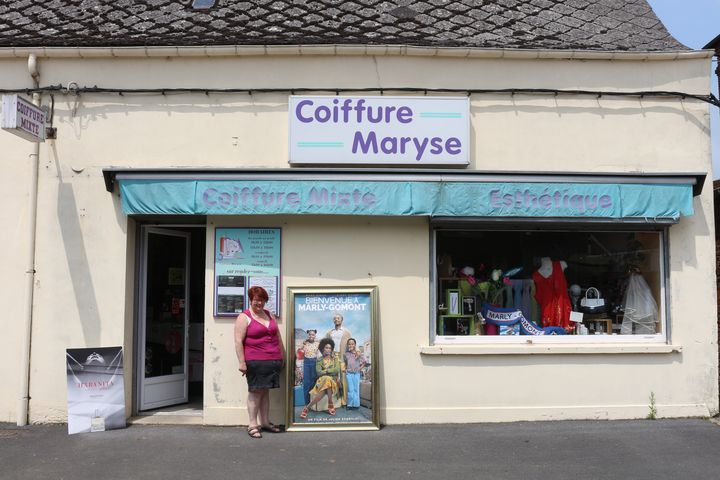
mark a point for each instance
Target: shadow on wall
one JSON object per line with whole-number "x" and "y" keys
{"x": 232, "y": 104}
{"x": 77, "y": 259}
{"x": 685, "y": 253}
{"x": 603, "y": 107}
{"x": 213, "y": 104}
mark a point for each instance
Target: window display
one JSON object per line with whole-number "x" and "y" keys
{"x": 573, "y": 286}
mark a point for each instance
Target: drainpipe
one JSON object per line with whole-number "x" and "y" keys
{"x": 24, "y": 400}
{"x": 717, "y": 69}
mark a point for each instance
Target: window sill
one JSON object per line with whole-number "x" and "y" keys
{"x": 546, "y": 349}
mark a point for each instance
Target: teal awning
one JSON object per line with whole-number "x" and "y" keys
{"x": 417, "y": 196}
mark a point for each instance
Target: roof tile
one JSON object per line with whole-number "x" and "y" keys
{"x": 599, "y": 8}
{"x": 607, "y": 22}
{"x": 441, "y": 13}
{"x": 479, "y": 14}
{"x": 571, "y": 22}
{"x": 464, "y": 21}
{"x": 584, "y": 16}
{"x": 563, "y": 9}
{"x": 557, "y": 27}
{"x": 644, "y": 23}
{"x": 577, "y": 4}
{"x": 550, "y": 16}
{"x": 543, "y": 4}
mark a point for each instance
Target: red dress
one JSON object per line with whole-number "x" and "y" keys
{"x": 552, "y": 295}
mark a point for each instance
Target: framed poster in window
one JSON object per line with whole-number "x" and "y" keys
{"x": 332, "y": 359}
{"x": 244, "y": 258}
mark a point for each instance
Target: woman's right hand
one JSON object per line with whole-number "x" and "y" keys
{"x": 243, "y": 368}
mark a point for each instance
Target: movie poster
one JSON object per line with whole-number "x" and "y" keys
{"x": 96, "y": 395}
{"x": 334, "y": 359}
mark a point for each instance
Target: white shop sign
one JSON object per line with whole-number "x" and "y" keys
{"x": 23, "y": 118}
{"x": 379, "y": 130}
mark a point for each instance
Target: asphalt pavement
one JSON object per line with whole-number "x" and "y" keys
{"x": 643, "y": 449}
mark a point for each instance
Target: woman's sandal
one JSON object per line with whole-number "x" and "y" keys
{"x": 304, "y": 413}
{"x": 272, "y": 428}
{"x": 255, "y": 432}
{"x": 331, "y": 409}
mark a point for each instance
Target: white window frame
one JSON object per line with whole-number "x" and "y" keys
{"x": 663, "y": 304}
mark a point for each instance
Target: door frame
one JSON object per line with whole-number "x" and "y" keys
{"x": 140, "y": 319}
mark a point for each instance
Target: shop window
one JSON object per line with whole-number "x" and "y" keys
{"x": 578, "y": 286}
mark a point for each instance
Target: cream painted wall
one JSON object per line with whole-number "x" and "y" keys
{"x": 476, "y": 388}
{"x": 510, "y": 133}
{"x": 85, "y": 245}
{"x": 323, "y": 251}
{"x": 80, "y": 295}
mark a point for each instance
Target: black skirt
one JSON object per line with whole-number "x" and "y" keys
{"x": 263, "y": 374}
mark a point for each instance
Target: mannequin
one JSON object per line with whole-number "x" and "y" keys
{"x": 551, "y": 292}
{"x": 575, "y": 294}
{"x": 546, "y": 266}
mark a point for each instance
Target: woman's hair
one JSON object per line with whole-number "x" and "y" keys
{"x": 259, "y": 292}
{"x": 311, "y": 330}
{"x": 346, "y": 345}
{"x": 326, "y": 341}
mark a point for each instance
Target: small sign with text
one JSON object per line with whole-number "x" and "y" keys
{"x": 22, "y": 118}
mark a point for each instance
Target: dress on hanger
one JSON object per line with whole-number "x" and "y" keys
{"x": 552, "y": 295}
{"x": 523, "y": 293}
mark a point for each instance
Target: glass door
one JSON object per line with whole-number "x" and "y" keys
{"x": 163, "y": 318}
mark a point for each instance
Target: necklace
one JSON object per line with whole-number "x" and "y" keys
{"x": 263, "y": 319}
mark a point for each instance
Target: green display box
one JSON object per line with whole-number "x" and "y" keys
{"x": 453, "y": 301}
{"x": 452, "y": 325}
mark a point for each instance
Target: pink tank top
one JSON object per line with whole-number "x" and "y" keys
{"x": 261, "y": 342}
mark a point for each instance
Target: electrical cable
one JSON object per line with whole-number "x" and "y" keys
{"x": 77, "y": 90}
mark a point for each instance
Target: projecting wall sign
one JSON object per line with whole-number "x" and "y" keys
{"x": 22, "y": 118}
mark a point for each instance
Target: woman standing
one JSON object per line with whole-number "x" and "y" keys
{"x": 327, "y": 368}
{"x": 310, "y": 349}
{"x": 260, "y": 353}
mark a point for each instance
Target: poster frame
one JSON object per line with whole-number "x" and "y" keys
{"x": 295, "y": 321}
{"x": 219, "y": 230}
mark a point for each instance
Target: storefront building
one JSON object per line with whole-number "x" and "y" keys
{"x": 545, "y": 158}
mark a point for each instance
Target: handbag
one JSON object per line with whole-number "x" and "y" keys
{"x": 594, "y": 304}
